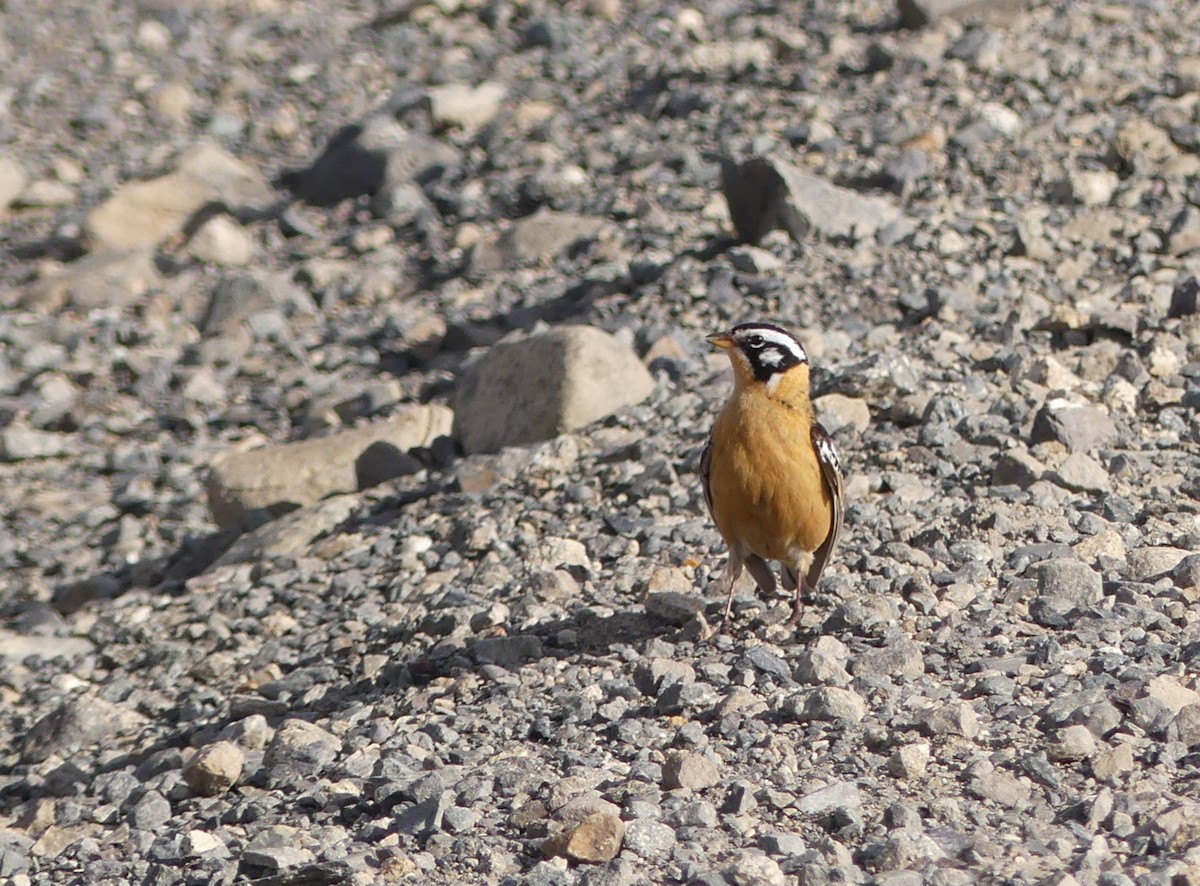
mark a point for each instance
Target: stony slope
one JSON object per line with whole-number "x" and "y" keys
{"x": 232, "y": 227}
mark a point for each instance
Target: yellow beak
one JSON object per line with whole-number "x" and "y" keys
{"x": 722, "y": 340}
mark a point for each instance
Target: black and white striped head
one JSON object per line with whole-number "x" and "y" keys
{"x": 768, "y": 350}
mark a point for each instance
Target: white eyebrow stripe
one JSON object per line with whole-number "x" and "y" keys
{"x": 781, "y": 339}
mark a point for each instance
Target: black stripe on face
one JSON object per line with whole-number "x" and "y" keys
{"x": 769, "y": 349}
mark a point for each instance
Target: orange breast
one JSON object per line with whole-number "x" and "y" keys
{"x": 769, "y": 494}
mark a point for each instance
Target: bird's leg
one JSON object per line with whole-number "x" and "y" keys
{"x": 801, "y": 590}
{"x": 793, "y": 578}
{"x": 733, "y": 571}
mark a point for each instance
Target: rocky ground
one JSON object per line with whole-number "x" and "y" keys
{"x": 352, "y": 384}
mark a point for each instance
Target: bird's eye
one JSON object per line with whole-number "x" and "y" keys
{"x": 755, "y": 341}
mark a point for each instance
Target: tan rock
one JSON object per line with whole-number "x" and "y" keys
{"x": 594, "y": 840}
{"x": 282, "y": 478}
{"x": 222, "y": 241}
{"x": 1149, "y": 563}
{"x": 837, "y": 411}
{"x": 95, "y": 281}
{"x": 1113, "y": 763}
{"x": 215, "y": 768}
{"x": 466, "y": 107}
{"x": 142, "y": 214}
{"x": 12, "y": 181}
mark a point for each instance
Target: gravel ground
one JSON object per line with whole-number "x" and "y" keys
{"x": 271, "y": 614}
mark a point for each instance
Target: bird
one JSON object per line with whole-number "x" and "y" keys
{"x": 772, "y": 476}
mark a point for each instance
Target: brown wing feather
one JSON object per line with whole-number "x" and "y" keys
{"x": 831, "y": 470}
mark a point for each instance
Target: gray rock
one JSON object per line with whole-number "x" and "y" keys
{"x": 652, "y": 676}
{"x": 1186, "y": 573}
{"x": 829, "y": 703}
{"x": 766, "y": 193}
{"x": 424, "y": 817}
{"x": 824, "y": 662}
{"x": 689, "y": 772}
{"x": 1019, "y": 468}
{"x": 901, "y": 657}
{"x": 300, "y": 747}
{"x": 1079, "y": 428}
{"x": 375, "y": 156}
{"x": 222, "y": 241}
{"x": 920, "y": 13}
{"x": 17, "y": 647}
{"x": 1069, "y": 583}
{"x": 1073, "y": 743}
{"x": 78, "y": 723}
{"x": 1185, "y": 727}
{"x": 1001, "y": 787}
{"x": 674, "y": 607}
{"x": 650, "y": 839}
{"x": 544, "y": 385}
{"x": 275, "y": 859}
{"x": 1183, "y": 237}
{"x": 833, "y": 797}
{"x": 533, "y": 239}
{"x": 955, "y": 718}
{"x": 750, "y": 868}
{"x": 1081, "y": 473}
{"x": 150, "y": 812}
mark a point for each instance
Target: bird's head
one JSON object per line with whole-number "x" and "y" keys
{"x": 760, "y": 352}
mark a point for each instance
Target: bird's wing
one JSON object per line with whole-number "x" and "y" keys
{"x": 706, "y": 475}
{"x": 831, "y": 470}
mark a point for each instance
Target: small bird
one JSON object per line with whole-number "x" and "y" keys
{"x": 772, "y": 477}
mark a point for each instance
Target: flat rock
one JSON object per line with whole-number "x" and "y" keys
{"x": 766, "y": 193}
{"x": 533, "y": 239}
{"x": 281, "y": 478}
{"x": 143, "y": 214}
{"x": 920, "y": 13}
{"x": 77, "y": 723}
{"x": 537, "y": 387}
{"x": 21, "y": 646}
{"x": 290, "y": 535}
{"x": 105, "y": 279}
